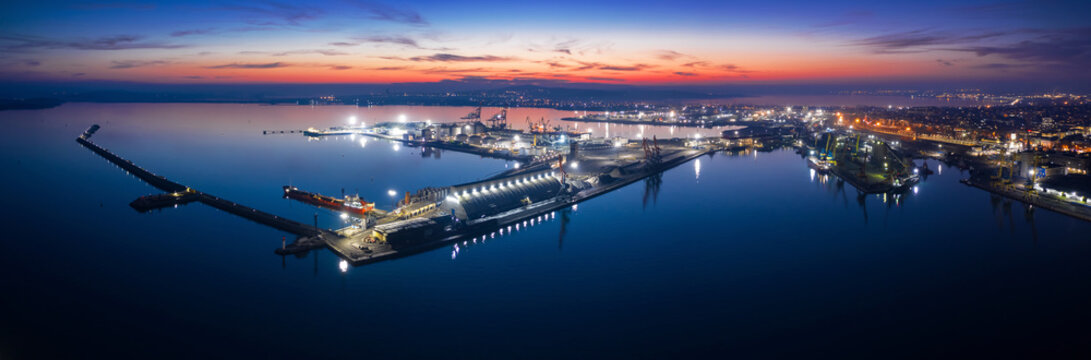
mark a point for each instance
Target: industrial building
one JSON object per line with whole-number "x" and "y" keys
{"x": 483, "y": 198}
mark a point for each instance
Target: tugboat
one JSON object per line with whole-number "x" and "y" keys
{"x": 350, "y": 204}
{"x": 152, "y": 202}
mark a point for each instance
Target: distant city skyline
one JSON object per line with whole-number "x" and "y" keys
{"x": 618, "y": 42}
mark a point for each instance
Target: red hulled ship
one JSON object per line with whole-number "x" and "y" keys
{"x": 350, "y": 204}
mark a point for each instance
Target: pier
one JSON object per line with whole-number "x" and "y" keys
{"x": 438, "y": 216}
{"x": 269, "y": 132}
{"x": 162, "y": 183}
{"x": 701, "y": 123}
{"x": 1082, "y": 213}
{"x": 462, "y": 148}
{"x": 357, "y": 252}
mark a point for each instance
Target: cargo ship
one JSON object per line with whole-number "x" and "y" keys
{"x": 350, "y": 204}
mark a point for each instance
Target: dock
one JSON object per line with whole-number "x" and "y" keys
{"x": 462, "y": 148}
{"x": 511, "y": 199}
{"x": 675, "y": 123}
{"x": 1034, "y": 200}
{"x": 349, "y": 248}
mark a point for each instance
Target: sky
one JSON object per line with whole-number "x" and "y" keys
{"x": 619, "y": 42}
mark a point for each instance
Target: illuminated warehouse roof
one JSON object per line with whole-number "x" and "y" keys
{"x": 479, "y": 199}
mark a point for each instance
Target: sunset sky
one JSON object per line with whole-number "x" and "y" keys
{"x": 625, "y": 42}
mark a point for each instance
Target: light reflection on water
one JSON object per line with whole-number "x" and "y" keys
{"x": 727, "y": 258}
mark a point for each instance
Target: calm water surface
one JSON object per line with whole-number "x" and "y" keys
{"x": 746, "y": 255}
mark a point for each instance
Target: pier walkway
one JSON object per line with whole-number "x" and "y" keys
{"x": 249, "y": 213}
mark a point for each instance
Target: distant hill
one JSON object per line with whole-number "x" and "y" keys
{"x": 29, "y": 104}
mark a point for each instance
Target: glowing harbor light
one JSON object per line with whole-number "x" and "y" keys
{"x": 575, "y": 165}
{"x": 452, "y": 199}
{"x": 344, "y": 216}
{"x": 352, "y": 120}
{"x": 343, "y": 265}
{"x": 392, "y": 193}
{"x": 516, "y": 138}
{"x": 1030, "y": 172}
{"x": 402, "y": 118}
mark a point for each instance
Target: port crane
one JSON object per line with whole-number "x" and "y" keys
{"x": 651, "y": 150}
{"x": 498, "y": 121}
{"x": 541, "y": 126}
{"x": 473, "y": 115}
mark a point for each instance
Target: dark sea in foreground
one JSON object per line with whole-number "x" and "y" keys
{"x": 730, "y": 256}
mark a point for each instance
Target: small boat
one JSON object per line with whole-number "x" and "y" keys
{"x": 151, "y": 202}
